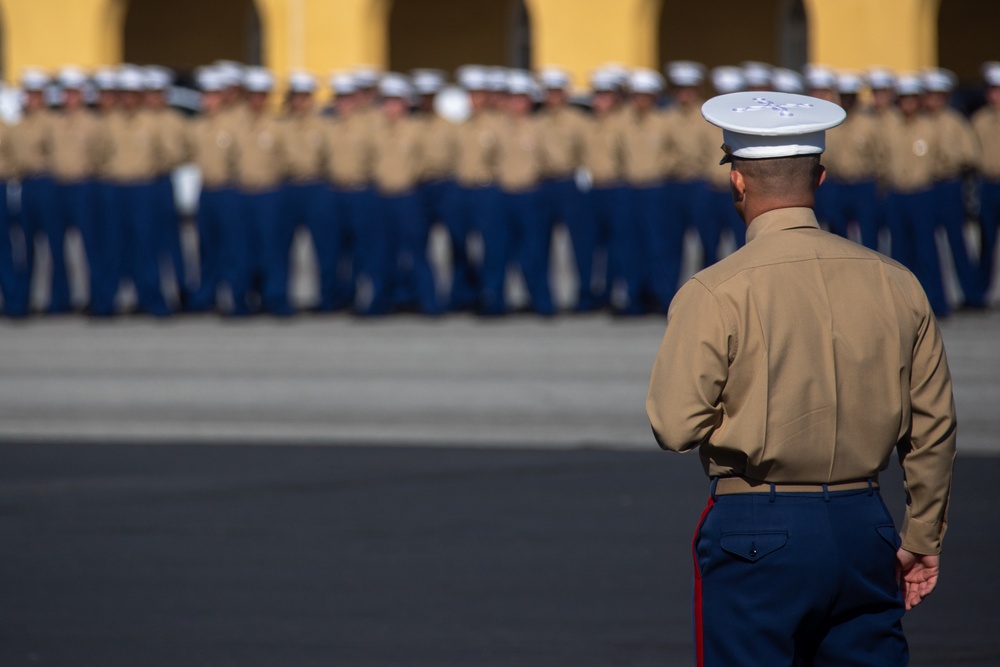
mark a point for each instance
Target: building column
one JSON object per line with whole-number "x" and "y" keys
{"x": 856, "y": 34}
{"x": 580, "y": 35}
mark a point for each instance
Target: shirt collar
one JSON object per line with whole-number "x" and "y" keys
{"x": 781, "y": 219}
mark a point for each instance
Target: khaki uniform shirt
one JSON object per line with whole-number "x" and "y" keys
{"x": 262, "y": 156}
{"x": 806, "y": 358}
{"x": 173, "y": 125}
{"x": 477, "y": 143}
{"x": 7, "y": 167}
{"x": 604, "y": 150}
{"x": 399, "y": 159}
{"x": 75, "y": 146}
{"x": 986, "y": 125}
{"x": 212, "y": 143}
{"x": 31, "y": 142}
{"x": 305, "y": 138}
{"x": 912, "y": 146}
{"x": 959, "y": 149}
{"x": 349, "y": 153}
{"x": 439, "y": 147}
{"x": 693, "y": 142}
{"x": 520, "y": 161}
{"x": 562, "y": 140}
{"x": 645, "y": 146}
{"x": 855, "y": 151}
{"x": 133, "y": 147}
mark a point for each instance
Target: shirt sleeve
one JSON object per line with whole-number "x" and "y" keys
{"x": 691, "y": 369}
{"x": 927, "y": 456}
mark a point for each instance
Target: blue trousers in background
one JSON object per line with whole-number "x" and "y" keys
{"x": 106, "y": 269}
{"x": 854, "y": 202}
{"x": 476, "y": 212}
{"x": 606, "y": 222}
{"x": 170, "y": 233}
{"x": 38, "y": 215}
{"x": 409, "y": 278}
{"x": 789, "y": 579}
{"x": 662, "y": 235}
{"x": 719, "y": 215}
{"x": 8, "y": 277}
{"x": 77, "y": 206}
{"x": 138, "y": 257}
{"x": 310, "y": 205}
{"x": 910, "y": 217}
{"x": 218, "y": 208}
{"x": 687, "y": 201}
{"x": 989, "y": 198}
{"x": 529, "y": 242}
{"x": 949, "y": 210}
{"x": 263, "y": 258}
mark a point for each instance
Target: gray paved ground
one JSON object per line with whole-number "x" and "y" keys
{"x": 548, "y": 532}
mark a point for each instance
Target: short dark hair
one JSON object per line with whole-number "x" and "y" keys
{"x": 781, "y": 175}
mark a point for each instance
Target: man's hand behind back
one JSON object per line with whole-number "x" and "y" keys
{"x": 918, "y": 576}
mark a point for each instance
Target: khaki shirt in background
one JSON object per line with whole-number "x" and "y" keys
{"x": 645, "y": 147}
{"x": 912, "y": 146}
{"x": 439, "y": 147}
{"x": 855, "y": 150}
{"x": 305, "y": 139}
{"x": 7, "y": 167}
{"x": 173, "y": 124}
{"x": 562, "y": 140}
{"x": 262, "y": 156}
{"x": 806, "y": 358}
{"x": 212, "y": 143}
{"x": 399, "y": 156}
{"x": 75, "y": 146}
{"x": 959, "y": 149}
{"x": 520, "y": 161}
{"x": 477, "y": 145}
{"x": 604, "y": 150}
{"x": 693, "y": 141}
{"x": 133, "y": 147}
{"x": 986, "y": 125}
{"x": 31, "y": 143}
{"x": 349, "y": 152}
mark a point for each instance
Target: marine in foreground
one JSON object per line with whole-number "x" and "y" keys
{"x": 797, "y": 366}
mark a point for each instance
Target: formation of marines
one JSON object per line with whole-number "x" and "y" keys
{"x": 627, "y": 173}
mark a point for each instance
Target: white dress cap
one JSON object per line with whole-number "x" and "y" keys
{"x": 820, "y": 78}
{"x": 428, "y": 81}
{"x": 106, "y": 79}
{"x": 520, "y": 82}
{"x": 366, "y": 76}
{"x": 343, "y": 83}
{"x": 497, "y": 79}
{"x": 602, "y": 81}
{"x": 258, "y": 80}
{"x": 617, "y": 73}
{"x": 209, "y": 79}
{"x": 472, "y": 77}
{"x": 685, "y": 73}
{"x": 757, "y": 125}
{"x": 72, "y": 77}
{"x": 157, "y": 78}
{"x": 728, "y": 79}
{"x": 301, "y": 82}
{"x": 131, "y": 78}
{"x": 230, "y": 71}
{"x": 645, "y": 82}
{"x": 554, "y": 78}
{"x": 756, "y": 74}
{"x": 849, "y": 83}
{"x": 909, "y": 84}
{"x": 787, "y": 81}
{"x": 880, "y": 78}
{"x": 991, "y": 73}
{"x": 937, "y": 80}
{"x": 34, "y": 80}
{"x": 395, "y": 85}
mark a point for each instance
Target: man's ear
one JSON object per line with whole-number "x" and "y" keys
{"x": 737, "y": 185}
{"x": 820, "y": 175}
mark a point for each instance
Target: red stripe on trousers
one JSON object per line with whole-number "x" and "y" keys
{"x": 699, "y": 633}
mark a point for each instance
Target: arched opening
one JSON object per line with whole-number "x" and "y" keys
{"x": 183, "y": 34}
{"x": 775, "y": 32}
{"x": 967, "y": 37}
{"x": 447, "y": 34}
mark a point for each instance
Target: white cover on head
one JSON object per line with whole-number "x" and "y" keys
{"x": 472, "y": 77}
{"x": 230, "y": 71}
{"x": 209, "y": 79}
{"x": 645, "y": 81}
{"x": 106, "y": 79}
{"x": 301, "y": 82}
{"x": 757, "y": 125}
{"x": 72, "y": 77}
{"x": 520, "y": 82}
{"x": 496, "y": 78}
{"x": 258, "y": 80}
{"x": 157, "y": 78}
{"x": 820, "y": 78}
{"x": 553, "y": 78}
{"x": 603, "y": 81}
{"x": 756, "y": 74}
{"x": 685, "y": 73}
{"x": 728, "y": 79}
{"x": 131, "y": 78}
{"x": 937, "y": 80}
{"x": 342, "y": 83}
{"x": 395, "y": 85}
{"x": 880, "y": 78}
{"x": 991, "y": 73}
{"x": 909, "y": 84}
{"x": 787, "y": 81}
{"x": 34, "y": 80}
{"x": 428, "y": 81}
{"x": 849, "y": 83}
{"x": 366, "y": 76}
